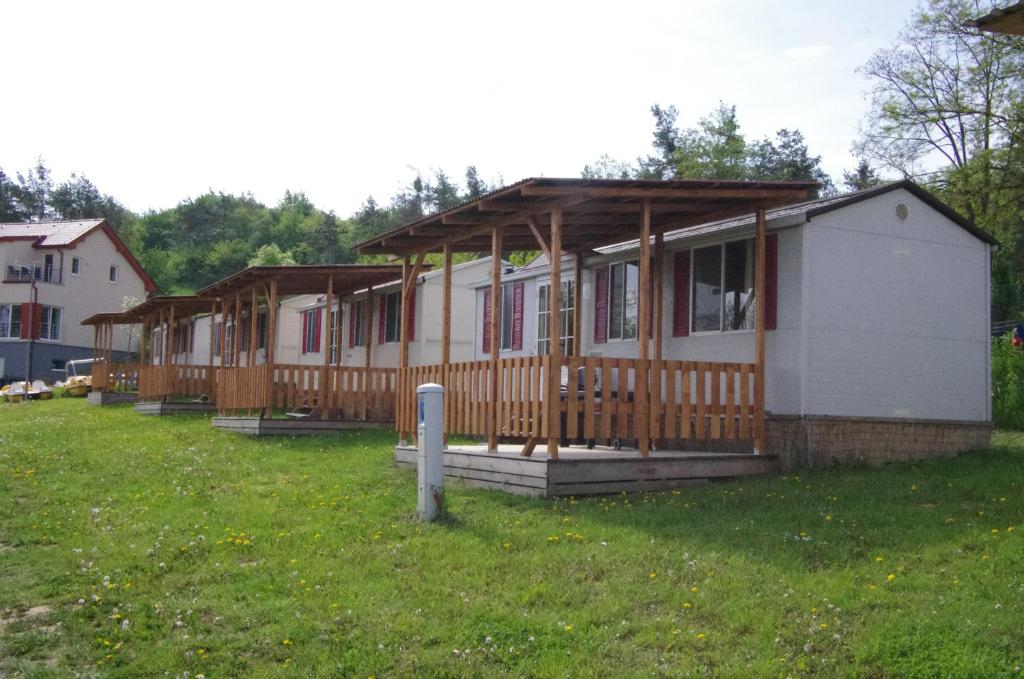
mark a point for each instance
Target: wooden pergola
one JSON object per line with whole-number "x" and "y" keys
{"x": 255, "y": 386}
{"x": 574, "y": 216}
{"x": 1008, "y": 20}
{"x": 155, "y": 381}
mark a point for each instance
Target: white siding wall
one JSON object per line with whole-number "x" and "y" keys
{"x": 898, "y": 314}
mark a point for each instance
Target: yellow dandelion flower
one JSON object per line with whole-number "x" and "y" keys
{"x": 568, "y": 628}
{"x": 694, "y": 589}
{"x": 890, "y": 577}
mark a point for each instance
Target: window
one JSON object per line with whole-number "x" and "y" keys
{"x": 10, "y": 320}
{"x": 49, "y": 274}
{"x": 566, "y": 331}
{"x": 261, "y": 329}
{"x": 357, "y": 324}
{"x": 113, "y": 273}
{"x": 229, "y": 340}
{"x": 723, "y": 287}
{"x": 76, "y": 266}
{"x": 58, "y": 364}
{"x": 217, "y": 329}
{"x": 246, "y": 331}
{"x": 392, "y": 309}
{"x": 49, "y": 323}
{"x": 333, "y": 337}
{"x": 623, "y": 296}
{"x": 311, "y": 331}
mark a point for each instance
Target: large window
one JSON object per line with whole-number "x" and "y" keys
{"x": 357, "y": 324}
{"x": 311, "y": 331}
{"x": 218, "y": 328}
{"x": 76, "y": 266}
{"x": 10, "y": 320}
{"x": 333, "y": 336}
{"x": 623, "y": 297}
{"x": 392, "y": 314}
{"x": 568, "y": 315}
{"x": 261, "y": 329}
{"x": 723, "y": 287}
{"x": 49, "y": 323}
{"x": 49, "y": 272}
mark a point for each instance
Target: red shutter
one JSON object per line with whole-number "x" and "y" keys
{"x": 24, "y": 319}
{"x": 352, "y": 309}
{"x": 318, "y": 322}
{"x": 518, "y": 292}
{"x": 487, "y": 322}
{"x": 37, "y": 320}
{"x": 601, "y": 305}
{"x": 771, "y": 281}
{"x": 412, "y": 315}
{"x": 382, "y": 322}
{"x": 681, "y": 295}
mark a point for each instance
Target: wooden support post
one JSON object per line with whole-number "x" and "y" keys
{"x": 577, "y": 307}
{"x": 641, "y": 387}
{"x": 211, "y": 379}
{"x": 236, "y": 332}
{"x": 759, "y": 342}
{"x": 657, "y": 425}
{"x": 367, "y": 340}
{"x": 553, "y": 374}
{"x": 407, "y": 388}
{"x": 325, "y": 369}
{"x": 268, "y": 408}
{"x": 222, "y": 340}
{"x": 446, "y": 329}
{"x": 250, "y": 352}
{"x": 493, "y": 394}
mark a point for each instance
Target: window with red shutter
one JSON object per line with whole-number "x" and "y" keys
{"x": 486, "y": 348}
{"x": 318, "y": 323}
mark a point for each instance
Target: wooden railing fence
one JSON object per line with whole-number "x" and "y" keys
{"x": 161, "y": 381}
{"x": 115, "y": 376}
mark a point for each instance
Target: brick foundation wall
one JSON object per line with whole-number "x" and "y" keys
{"x": 811, "y": 442}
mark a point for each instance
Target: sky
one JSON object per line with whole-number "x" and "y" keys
{"x": 157, "y": 102}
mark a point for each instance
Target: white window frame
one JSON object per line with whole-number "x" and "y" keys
{"x": 507, "y": 303}
{"x": 10, "y": 324}
{"x": 358, "y": 307}
{"x": 693, "y": 307}
{"x": 309, "y": 321}
{"x": 51, "y": 273}
{"x": 76, "y": 266}
{"x": 334, "y": 334}
{"x": 113, "y": 274}
{"x": 623, "y": 263}
{"x": 568, "y": 313}
{"x": 48, "y": 313}
{"x": 388, "y": 297}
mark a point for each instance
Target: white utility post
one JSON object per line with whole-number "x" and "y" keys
{"x": 430, "y": 453}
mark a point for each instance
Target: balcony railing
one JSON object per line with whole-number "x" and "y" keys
{"x": 26, "y": 272}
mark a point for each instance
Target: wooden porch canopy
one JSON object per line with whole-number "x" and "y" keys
{"x": 246, "y": 288}
{"x": 575, "y": 216}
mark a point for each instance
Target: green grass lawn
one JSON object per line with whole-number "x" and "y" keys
{"x": 140, "y": 546}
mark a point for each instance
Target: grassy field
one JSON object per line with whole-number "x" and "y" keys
{"x": 133, "y": 546}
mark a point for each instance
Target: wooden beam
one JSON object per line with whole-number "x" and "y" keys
{"x": 446, "y": 310}
{"x": 553, "y": 374}
{"x": 539, "y": 237}
{"x": 403, "y": 344}
{"x": 268, "y": 410}
{"x": 493, "y": 394}
{"x": 328, "y": 303}
{"x": 210, "y": 374}
{"x": 577, "y": 306}
{"x": 677, "y": 193}
{"x": 641, "y": 388}
{"x": 411, "y": 283}
{"x": 236, "y": 334}
{"x": 760, "y": 264}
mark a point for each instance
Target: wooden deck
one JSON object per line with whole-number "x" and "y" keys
{"x": 588, "y": 472}
{"x": 171, "y": 408}
{"x": 257, "y": 426}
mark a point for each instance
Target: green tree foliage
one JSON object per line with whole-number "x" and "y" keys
{"x": 34, "y": 191}
{"x": 861, "y": 177}
{"x": 717, "y": 149}
{"x": 11, "y": 207}
{"x": 947, "y": 95}
{"x": 270, "y": 255}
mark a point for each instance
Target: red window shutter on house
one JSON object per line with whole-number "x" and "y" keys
{"x": 318, "y": 321}
{"x": 518, "y": 292}
{"x": 25, "y": 309}
{"x": 351, "y": 325}
{"x": 381, "y": 322}
{"x": 486, "y": 348}
{"x": 37, "y": 320}
{"x": 681, "y": 295}
{"x": 412, "y": 316}
{"x": 601, "y": 306}
{"x": 771, "y": 281}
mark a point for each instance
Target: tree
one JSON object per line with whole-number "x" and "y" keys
{"x": 948, "y": 96}
{"x": 326, "y": 236}
{"x": 77, "y": 198}
{"x": 11, "y": 207}
{"x": 607, "y": 167}
{"x": 442, "y": 194}
{"x": 787, "y": 159}
{"x": 862, "y": 177}
{"x": 475, "y": 187}
{"x": 270, "y": 255}
{"x": 35, "y": 187}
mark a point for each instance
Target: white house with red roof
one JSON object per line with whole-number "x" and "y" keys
{"x": 54, "y": 275}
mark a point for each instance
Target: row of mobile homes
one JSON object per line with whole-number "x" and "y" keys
{"x": 873, "y": 345}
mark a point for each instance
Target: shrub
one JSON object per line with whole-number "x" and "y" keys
{"x": 1007, "y": 383}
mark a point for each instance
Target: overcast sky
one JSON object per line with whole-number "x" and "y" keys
{"x": 155, "y": 102}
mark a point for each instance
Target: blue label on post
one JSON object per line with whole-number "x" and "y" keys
{"x": 423, "y": 411}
